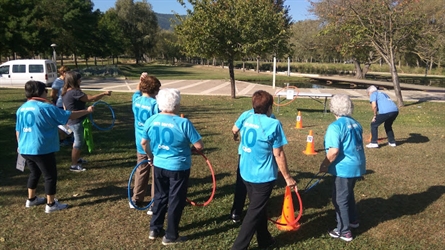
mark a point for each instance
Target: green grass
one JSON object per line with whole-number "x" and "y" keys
{"x": 401, "y": 199}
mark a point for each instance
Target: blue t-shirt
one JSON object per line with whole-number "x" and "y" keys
{"x": 240, "y": 121}
{"x": 346, "y": 135}
{"x": 143, "y": 108}
{"x": 260, "y": 134}
{"x": 170, "y": 138}
{"x": 58, "y": 85}
{"x": 37, "y": 127}
{"x": 384, "y": 103}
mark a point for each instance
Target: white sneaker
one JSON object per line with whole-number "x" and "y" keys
{"x": 392, "y": 144}
{"x": 56, "y": 207}
{"x": 35, "y": 202}
{"x": 372, "y": 145}
{"x": 150, "y": 210}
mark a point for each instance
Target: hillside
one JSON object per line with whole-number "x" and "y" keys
{"x": 164, "y": 20}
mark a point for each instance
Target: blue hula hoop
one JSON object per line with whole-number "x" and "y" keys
{"x": 129, "y": 188}
{"x": 307, "y": 188}
{"x": 112, "y": 114}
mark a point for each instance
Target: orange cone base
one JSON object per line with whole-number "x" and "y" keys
{"x": 309, "y": 153}
{"x": 288, "y": 228}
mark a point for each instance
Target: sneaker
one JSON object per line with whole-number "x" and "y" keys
{"x": 354, "y": 224}
{"x": 392, "y": 144}
{"x": 82, "y": 161}
{"x": 235, "y": 218}
{"x": 346, "y": 236}
{"x": 56, "y": 207}
{"x": 168, "y": 242}
{"x": 35, "y": 202}
{"x": 77, "y": 168}
{"x": 137, "y": 203}
{"x": 150, "y": 210}
{"x": 155, "y": 234}
{"x": 372, "y": 145}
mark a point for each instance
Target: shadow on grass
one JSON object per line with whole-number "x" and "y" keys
{"x": 413, "y": 138}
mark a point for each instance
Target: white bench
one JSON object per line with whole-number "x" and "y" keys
{"x": 313, "y": 96}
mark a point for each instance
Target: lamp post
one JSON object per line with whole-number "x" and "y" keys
{"x": 54, "y": 52}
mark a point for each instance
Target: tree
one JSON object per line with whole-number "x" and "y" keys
{"x": 139, "y": 24}
{"x": 386, "y": 25}
{"x": 233, "y": 29}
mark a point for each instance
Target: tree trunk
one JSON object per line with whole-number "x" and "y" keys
{"x": 232, "y": 78}
{"x": 244, "y": 66}
{"x": 358, "y": 69}
{"x": 258, "y": 64}
{"x": 395, "y": 80}
{"x": 75, "y": 60}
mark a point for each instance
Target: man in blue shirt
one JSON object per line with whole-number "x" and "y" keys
{"x": 385, "y": 111}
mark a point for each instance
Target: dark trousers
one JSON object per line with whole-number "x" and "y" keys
{"x": 388, "y": 119}
{"x": 170, "y": 197}
{"x": 343, "y": 200}
{"x": 256, "y": 216}
{"x": 240, "y": 194}
{"x": 45, "y": 164}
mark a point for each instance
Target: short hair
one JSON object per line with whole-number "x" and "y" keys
{"x": 261, "y": 101}
{"x": 341, "y": 105}
{"x": 63, "y": 69}
{"x": 371, "y": 89}
{"x": 168, "y": 99}
{"x": 149, "y": 85}
{"x": 34, "y": 89}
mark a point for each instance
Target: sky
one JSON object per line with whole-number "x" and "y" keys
{"x": 298, "y": 8}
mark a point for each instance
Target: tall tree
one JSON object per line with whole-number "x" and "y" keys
{"x": 233, "y": 29}
{"x": 139, "y": 24}
{"x": 387, "y": 25}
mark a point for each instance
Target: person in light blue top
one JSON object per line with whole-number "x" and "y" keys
{"x": 144, "y": 106}
{"x": 38, "y": 140}
{"x": 239, "y": 197}
{"x": 56, "y": 87}
{"x": 385, "y": 111}
{"x": 167, "y": 138}
{"x": 345, "y": 160}
{"x": 262, "y": 155}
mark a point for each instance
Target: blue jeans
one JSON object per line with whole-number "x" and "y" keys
{"x": 78, "y": 135}
{"x": 344, "y": 202}
{"x": 388, "y": 119}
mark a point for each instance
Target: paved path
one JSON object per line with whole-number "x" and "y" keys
{"x": 222, "y": 88}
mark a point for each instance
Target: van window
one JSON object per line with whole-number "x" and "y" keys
{"x": 51, "y": 68}
{"x": 4, "y": 70}
{"x": 19, "y": 68}
{"x": 35, "y": 68}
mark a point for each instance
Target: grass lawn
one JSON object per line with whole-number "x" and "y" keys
{"x": 401, "y": 198}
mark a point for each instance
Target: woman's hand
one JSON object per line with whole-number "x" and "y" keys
{"x": 90, "y": 109}
{"x": 290, "y": 182}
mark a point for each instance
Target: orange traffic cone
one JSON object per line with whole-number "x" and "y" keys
{"x": 310, "y": 145}
{"x": 287, "y": 219}
{"x": 378, "y": 139}
{"x": 299, "y": 124}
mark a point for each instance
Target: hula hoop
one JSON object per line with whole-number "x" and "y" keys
{"x": 214, "y": 185}
{"x": 112, "y": 114}
{"x": 129, "y": 188}
{"x": 291, "y": 223}
{"x": 307, "y": 188}
{"x": 289, "y": 102}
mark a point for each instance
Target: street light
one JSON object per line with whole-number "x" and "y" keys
{"x": 54, "y": 51}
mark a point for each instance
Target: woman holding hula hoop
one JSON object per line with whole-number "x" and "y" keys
{"x": 169, "y": 137}
{"x": 74, "y": 99}
{"x": 262, "y": 155}
{"x": 144, "y": 106}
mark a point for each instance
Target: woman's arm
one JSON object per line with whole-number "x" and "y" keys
{"x": 280, "y": 158}
{"x": 80, "y": 113}
{"x": 93, "y": 98}
{"x": 330, "y": 157}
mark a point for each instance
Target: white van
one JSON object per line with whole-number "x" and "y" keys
{"x": 18, "y": 72}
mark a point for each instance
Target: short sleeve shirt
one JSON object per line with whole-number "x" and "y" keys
{"x": 260, "y": 134}
{"x": 384, "y": 103}
{"x": 37, "y": 127}
{"x": 170, "y": 138}
{"x": 71, "y": 101}
{"x": 345, "y": 134}
{"x": 143, "y": 108}
{"x": 58, "y": 85}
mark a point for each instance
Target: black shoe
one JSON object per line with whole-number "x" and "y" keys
{"x": 271, "y": 243}
{"x": 167, "y": 242}
{"x": 235, "y": 218}
{"x": 155, "y": 234}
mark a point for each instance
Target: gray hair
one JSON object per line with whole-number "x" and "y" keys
{"x": 371, "y": 89}
{"x": 341, "y": 105}
{"x": 168, "y": 98}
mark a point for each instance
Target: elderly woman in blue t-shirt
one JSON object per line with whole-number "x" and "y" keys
{"x": 345, "y": 160}
{"x": 385, "y": 111}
